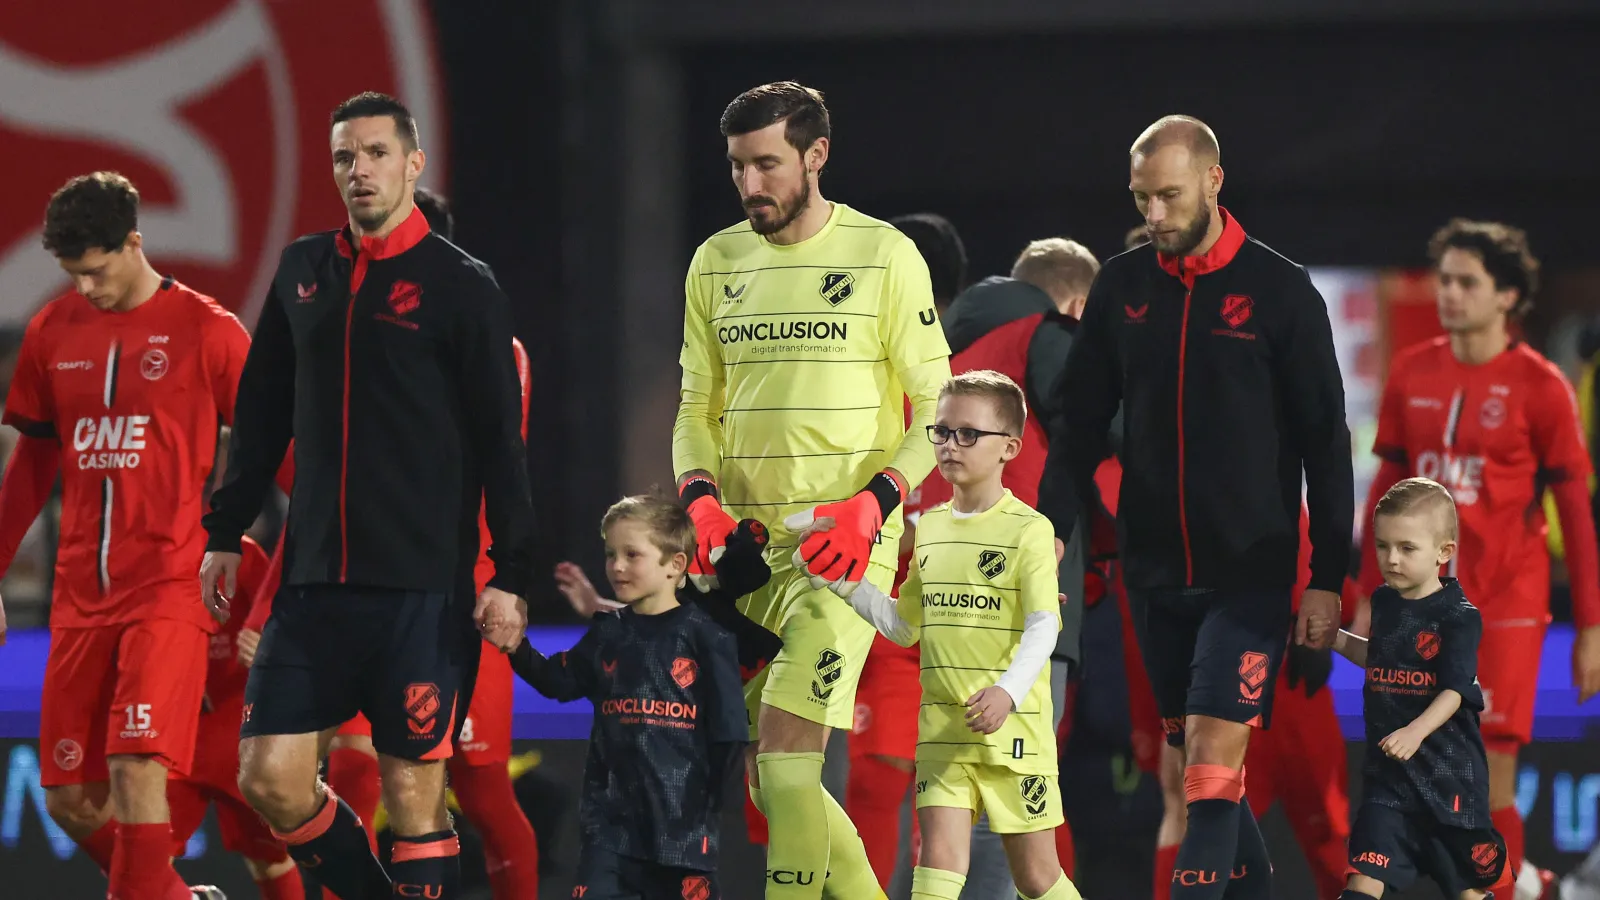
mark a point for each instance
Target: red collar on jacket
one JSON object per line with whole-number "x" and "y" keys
{"x": 406, "y": 235}
{"x": 1220, "y": 254}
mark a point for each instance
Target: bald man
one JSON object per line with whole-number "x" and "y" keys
{"x": 1221, "y": 354}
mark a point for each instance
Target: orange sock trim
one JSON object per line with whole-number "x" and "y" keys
{"x": 314, "y": 828}
{"x": 405, "y": 851}
{"x": 1212, "y": 783}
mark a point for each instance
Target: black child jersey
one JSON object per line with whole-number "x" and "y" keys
{"x": 669, "y": 723}
{"x": 1419, "y": 648}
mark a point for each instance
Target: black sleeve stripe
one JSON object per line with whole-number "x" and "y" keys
{"x": 31, "y": 428}
{"x": 1391, "y": 454}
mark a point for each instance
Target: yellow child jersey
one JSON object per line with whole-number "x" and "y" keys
{"x": 796, "y": 359}
{"x": 972, "y": 583}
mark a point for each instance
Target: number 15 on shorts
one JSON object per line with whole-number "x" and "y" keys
{"x": 138, "y": 723}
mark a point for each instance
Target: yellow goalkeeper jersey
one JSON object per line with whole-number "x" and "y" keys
{"x": 973, "y": 581}
{"x": 800, "y": 350}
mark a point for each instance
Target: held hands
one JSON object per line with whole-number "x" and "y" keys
{"x": 1402, "y": 744}
{"x": 1317, "y": 605}
{"x": 1317, "y": 630}
{"x": 219, "y": 579}
{"x": 987, "y": 709}
{"x": 836, "y": 541}
{"x": 501, "y": 617}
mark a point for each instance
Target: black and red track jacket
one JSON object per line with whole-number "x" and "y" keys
{"x": 389, "y": 362}
{"x": 1225, "y": 368}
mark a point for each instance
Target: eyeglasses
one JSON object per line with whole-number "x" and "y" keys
{"x": 965, "y": 437}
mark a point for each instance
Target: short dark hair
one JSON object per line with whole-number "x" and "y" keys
{"x": 799, "y": 107}
{"x": 96, "y": 210}
{"x": 1503, "y": 250}
{"x": 372, "y": 103}
{"x": 436, "y": 209}
{"x": 941, "y": 248}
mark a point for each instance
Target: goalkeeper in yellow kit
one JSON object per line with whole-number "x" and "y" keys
{"x": 983, "y": 598}
{"x": 804, "y": 329}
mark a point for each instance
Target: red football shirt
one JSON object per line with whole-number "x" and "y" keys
{"x": 1495, "y": 435}
{"x": 135, "y": 400}
{"x": 225, "y": 678}
{"x": 484, "y": 569}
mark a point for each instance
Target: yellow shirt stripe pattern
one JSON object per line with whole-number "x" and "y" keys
{"x": 797, "y": 349}
{"x": 973, "y": 581}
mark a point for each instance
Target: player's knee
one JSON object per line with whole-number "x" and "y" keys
{"x": 71, "y": 807}
{"x": 413, "y": 796}
{"x": 1216, "y": 742}
{"x": 276, "y": 792}
{"x": 136, "y": 777}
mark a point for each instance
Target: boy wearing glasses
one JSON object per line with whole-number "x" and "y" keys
{"x": 982, "y": 597}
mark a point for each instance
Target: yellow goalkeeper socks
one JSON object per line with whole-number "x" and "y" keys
{"x": 797, "y": 825}
{"x": 1063, "y": 889}
{"x": 850, "y": 875}
{"x": 936, "y": 884}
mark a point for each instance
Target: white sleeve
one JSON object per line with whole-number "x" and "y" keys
{"x": 1039, "y": 632}
{"x": 880, "y": 609}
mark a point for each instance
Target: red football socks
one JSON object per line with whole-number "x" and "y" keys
{"x": 873, "y": 798}
{"x": 287, "y": 886}
{"x": 140, "y": 866}
{"x": 510, "y": 848}
{"x": 101, "y": 845}
{"x": 1166, "y": 861}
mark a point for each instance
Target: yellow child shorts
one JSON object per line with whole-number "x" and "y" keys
{"x": 1016, "y": 803}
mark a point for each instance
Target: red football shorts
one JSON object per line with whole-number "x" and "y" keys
{"x": 887, "y": 700}
{"x": 1508, "y": 670}
{"x": 356, "y": 727}
{"x": 214, "y": 779}
{"x": 133, "y": 688}
{"x": 486, "y": 734}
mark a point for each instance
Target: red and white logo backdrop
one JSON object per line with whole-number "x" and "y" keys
{"x": 218, "y": 112}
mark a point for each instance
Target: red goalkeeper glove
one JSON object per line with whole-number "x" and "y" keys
{"x": 841, "y": 535}
{"x": 712, "y": 525}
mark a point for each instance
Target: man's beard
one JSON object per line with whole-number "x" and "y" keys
{"x": 785, "y": 217}
{"x": 371, "y": 218}
{"x": 1183, "y": 242}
